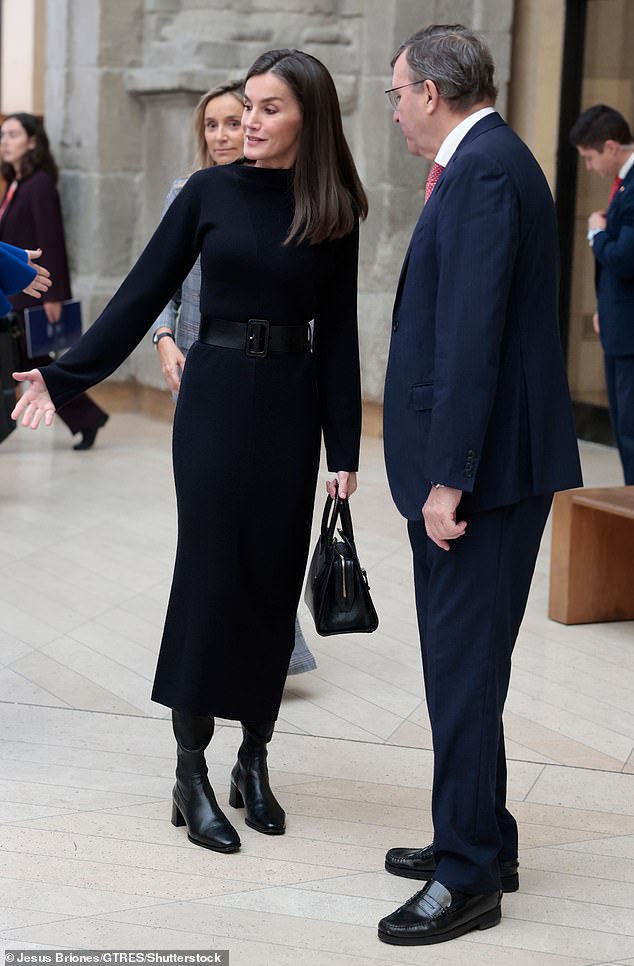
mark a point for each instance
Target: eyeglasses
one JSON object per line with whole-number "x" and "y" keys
{"x": 394, "y": 98}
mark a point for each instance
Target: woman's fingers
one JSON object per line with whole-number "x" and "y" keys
{"x": 30, "y": 376}
{"x": 345, "y": 484}
{"x": 30, "y": 415}
{"x": 35, "y": 403}
{"x": 20, "y": 406}
{"x": 172, "y": 363}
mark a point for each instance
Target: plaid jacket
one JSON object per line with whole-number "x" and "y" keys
{"x": 182, "y": 312}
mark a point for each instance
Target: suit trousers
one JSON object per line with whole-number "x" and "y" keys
{"x": 470, "y": 602}
{"x": 619, "y": 379}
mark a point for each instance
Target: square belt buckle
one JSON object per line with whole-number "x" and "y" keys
{"x": 258, "y": 331}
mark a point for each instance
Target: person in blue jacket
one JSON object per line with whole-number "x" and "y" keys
{"x": 20, "y": 273}
{"x": 603, "y": 139}
{"x": 478, "y": 435}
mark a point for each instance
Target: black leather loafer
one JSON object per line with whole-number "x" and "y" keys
{"x": 436, "y": 915}
{"x": 420, "y": 864}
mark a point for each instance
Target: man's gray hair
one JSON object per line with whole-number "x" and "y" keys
{"x": 456, "y": 59}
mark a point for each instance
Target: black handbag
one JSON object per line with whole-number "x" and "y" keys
{"x": 337, "y": 590}
{"x": 9, "y": 362}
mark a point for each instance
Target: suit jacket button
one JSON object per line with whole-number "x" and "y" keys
{"x": 395, "y": 326}
{"x": 468, "y": 473}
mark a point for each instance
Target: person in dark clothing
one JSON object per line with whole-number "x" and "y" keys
{"x": 603, "y": 139}
{"x": 278, "y": 240}
{"x": 478, "y": 435}
{"x": 30, "y": 209}
{"x": 217, "y": 124}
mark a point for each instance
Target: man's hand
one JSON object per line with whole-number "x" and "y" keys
{"x": 439, "y": 514}
{"x": 42, "y": 281}
{"x": 597, "y": 220}
{"x": 595, "y": 323}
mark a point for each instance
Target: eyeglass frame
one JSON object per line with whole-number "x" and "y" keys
{"x": 394, "y": 104}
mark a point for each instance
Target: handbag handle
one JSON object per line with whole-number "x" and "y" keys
{"x": 331, "y": 510}
{"x": 340, "y": 510}
{"x": 345, "y": 517}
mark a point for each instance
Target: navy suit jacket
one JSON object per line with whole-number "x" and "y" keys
{"x": 15, "y": 273}
{"x": 614, "y": 253}
{"x": 476, "y": 395}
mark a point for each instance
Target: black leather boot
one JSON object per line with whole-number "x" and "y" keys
{"x": 194, "y": 802}
{"x": 250, "y": 781}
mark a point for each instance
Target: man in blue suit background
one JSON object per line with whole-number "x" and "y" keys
{"x": 478, "y": 435}
{"x": 603, "y": 138}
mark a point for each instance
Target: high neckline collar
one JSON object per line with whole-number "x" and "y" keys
{"x": 272, "y": 174}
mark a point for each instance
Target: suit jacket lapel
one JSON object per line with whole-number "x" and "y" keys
{"x": 486, "y": 124}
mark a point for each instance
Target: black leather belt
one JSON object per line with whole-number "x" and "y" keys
{"x": 256, "y": 337}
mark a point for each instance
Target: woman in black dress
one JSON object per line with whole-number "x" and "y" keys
{"x": 278, "y": 240}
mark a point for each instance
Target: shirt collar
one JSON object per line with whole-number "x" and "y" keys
{"x": 453, "y": 139}
{"x": 625, "y": 168}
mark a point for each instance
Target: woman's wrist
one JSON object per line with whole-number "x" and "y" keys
{"x": 162, "y": 334}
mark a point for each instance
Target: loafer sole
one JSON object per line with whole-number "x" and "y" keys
{"x": 485, "y": 921}
{"x": 510, "y": 883}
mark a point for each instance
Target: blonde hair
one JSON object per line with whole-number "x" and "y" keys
{"x": 202, "y": 158}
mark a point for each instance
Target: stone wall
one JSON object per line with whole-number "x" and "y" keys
{"x": 123, "y": 76}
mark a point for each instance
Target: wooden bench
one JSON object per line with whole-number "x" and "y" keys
{"x": 592, "y": 555}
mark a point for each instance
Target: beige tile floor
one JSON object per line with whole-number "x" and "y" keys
{"x": 87, "y": 855}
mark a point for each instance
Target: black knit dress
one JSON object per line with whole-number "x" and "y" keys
{"x": 246, "y": 431}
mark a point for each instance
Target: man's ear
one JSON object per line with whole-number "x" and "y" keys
{"x": 431, "y": 96}
{"x": 610, "y": 147}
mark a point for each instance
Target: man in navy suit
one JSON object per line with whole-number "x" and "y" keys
{"x": 478, "y": 435}
{"x": 603, "y": 138}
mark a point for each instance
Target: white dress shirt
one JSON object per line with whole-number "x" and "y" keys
{"x": 453, "y": 139}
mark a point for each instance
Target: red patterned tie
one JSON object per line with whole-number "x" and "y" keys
{"x": 616, "y": 184}
{"x": 432, "y": 178}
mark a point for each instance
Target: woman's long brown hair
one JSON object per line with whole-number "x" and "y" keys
{"x": 37, "y": 158}
{"x": 329, "y": 196}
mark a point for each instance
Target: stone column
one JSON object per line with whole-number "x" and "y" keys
{"x": 95, "y": 131}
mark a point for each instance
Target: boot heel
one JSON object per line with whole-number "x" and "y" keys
{"x": 177, "y": 818}
{"x": 235, "y": 797}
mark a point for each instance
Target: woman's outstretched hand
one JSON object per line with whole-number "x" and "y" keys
{"x": 345, "y": 482}
{"x": 35, "y": 404}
